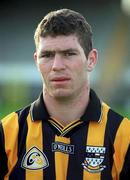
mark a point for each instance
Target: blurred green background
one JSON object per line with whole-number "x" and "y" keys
{"x": 20, "y": 82}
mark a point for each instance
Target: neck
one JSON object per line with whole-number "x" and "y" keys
{"x": 67, "y": 110}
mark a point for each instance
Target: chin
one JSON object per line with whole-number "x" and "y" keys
{"x": 61, "y": 94}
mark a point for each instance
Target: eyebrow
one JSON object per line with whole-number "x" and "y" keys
{"x": 59, "y": 51}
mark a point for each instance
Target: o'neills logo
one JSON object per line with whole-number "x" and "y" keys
{"x": 34, "y": 159}
{"x": 62, "y": 147}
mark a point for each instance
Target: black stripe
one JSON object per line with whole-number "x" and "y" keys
{"x": 22, "y": 129}
{"x": 57, "y": 124}
{"x": 3, "y": 157}
{"x": 125, "y": 173}
{"x": 113, "y": 123}
{"x": 71, "y": 125}
{"x": 18, "y": 172}
{"x": 48, "y": 138}
{"x": 71, "y": 130}
{"x": 78, "y": 139}
{"x": 55, "y": 130}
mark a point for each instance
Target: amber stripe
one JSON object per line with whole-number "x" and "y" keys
{"x": 122, "y": 142}
{"x": 95, "y": 137}
{"x": 61, "y": 160}
{"x": 11, "y": 141}
{"x": 34, "y": 138}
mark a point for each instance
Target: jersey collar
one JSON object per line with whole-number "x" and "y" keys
{"x": 92, "y": 113}
{"x": 93, "y": 110}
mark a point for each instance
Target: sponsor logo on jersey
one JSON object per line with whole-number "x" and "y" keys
{"x": 34, "y": 159}
{"x": 62, "y": 147}
{"x": 94, "y": 159}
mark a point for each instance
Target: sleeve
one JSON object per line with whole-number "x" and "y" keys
{"x": 3, "y": 156}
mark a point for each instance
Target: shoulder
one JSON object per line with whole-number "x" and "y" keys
{"x": 13, "y": 119}
{"x": 118, "y": 122}
{"x": 112, "y": 114}
{"x": 115, "y": 122}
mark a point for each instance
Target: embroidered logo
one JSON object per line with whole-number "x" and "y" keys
{"x": 62, "y": 147}
{"x": 34, "y": 159}
{"x": 94, "y": 159}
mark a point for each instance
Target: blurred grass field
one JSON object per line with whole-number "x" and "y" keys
{"x": 16, "y": 96}
{"x": 7, "y": 110}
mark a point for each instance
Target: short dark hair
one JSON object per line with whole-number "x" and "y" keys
{"x": 65, "y": 22}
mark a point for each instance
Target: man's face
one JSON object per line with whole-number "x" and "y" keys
{"x": 63, "y": 66}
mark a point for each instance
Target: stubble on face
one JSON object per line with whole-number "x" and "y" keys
{"x": 74, "y": 70}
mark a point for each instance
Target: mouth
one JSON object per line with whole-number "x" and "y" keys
{"x": 60, "y": 80}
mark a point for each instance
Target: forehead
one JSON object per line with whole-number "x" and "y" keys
{"x": 60, "y": 42}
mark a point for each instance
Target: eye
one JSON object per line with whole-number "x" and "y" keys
{"x": 47, "y": 55}
{"x": 70, "y": 53}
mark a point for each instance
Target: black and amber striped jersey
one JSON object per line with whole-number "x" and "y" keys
{"x": 35, "y": 146}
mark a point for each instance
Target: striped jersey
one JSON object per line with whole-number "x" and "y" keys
{"x": 35, "y": 146}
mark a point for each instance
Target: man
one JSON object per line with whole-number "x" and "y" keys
{"x": 67, "y": 133}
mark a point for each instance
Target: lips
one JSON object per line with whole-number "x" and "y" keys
{"x": 56, "y": 79}
{"x": 60, "y": 79}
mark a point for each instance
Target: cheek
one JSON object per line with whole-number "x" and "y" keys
{"x": 43, "y": 71}
{"x": 44, "y": 68}
{"x": 81, "y": 73}
{"x": 81, "y": 68}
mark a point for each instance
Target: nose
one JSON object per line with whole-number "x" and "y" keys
{"x": 58, "y": 63}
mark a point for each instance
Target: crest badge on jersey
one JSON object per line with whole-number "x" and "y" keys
{"x": 34, "y": 159}
{"x": 94, "y": 159}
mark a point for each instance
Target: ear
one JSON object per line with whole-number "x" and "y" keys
{"x": 92, "y": 59}
{"x": 36, "y": 60}
{"x": 35, "y": 56}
